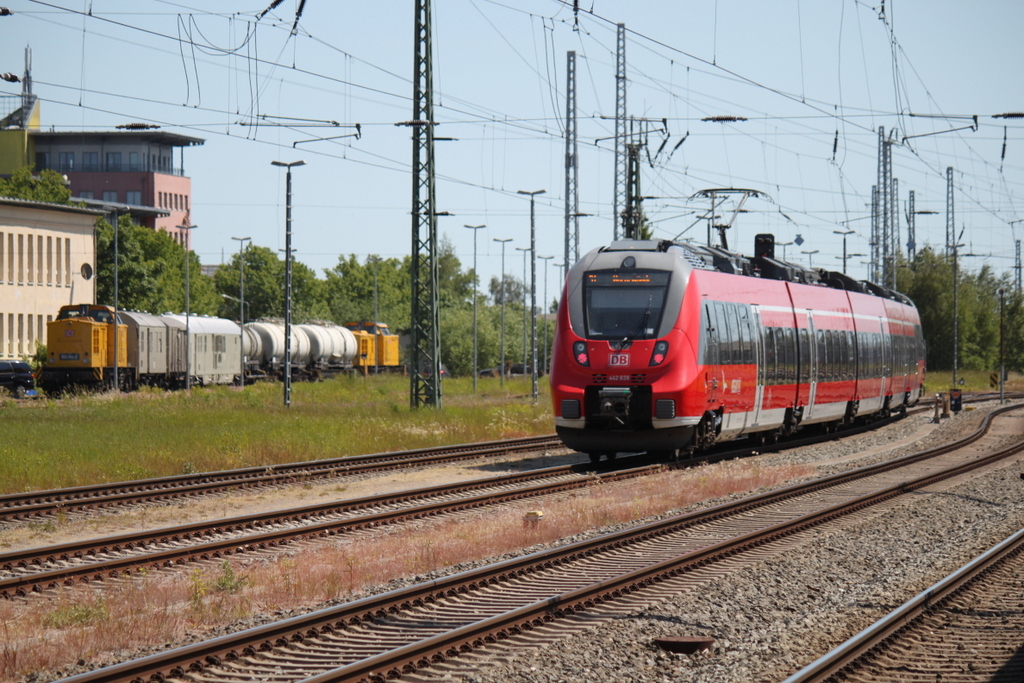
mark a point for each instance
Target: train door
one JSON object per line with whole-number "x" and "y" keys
{"x": 812, "y": 366}
{"x": 758, "y": 349}
{"x": 711, "y": 354}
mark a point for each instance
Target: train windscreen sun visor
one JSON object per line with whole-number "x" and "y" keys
{"x": 624, "y": 304}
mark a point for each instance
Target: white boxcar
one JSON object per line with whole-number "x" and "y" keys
{"x": 214, "y": 348}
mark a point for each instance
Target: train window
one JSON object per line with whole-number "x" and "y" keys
{"x": 833, "y": 355}
{"x": 786, "y": 359}
{"x": 823, "y": 374}
{"x": 769, "y": 355}
{"x": 804, "y": 357}
{"x": 725, "y": 332}
{"x": 851, "y": 356}
{"x": 746, "y": 351}
{"x": 624, "y": 304}
{"x": 709, "y": 336}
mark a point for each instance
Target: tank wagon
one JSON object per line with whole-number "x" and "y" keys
{"x": 318, "y": 349}
{"x": 666, "y": 348}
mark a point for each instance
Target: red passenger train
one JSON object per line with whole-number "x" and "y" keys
{"x": 665, "y": 348}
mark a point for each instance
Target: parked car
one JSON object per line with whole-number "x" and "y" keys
{"x": 16, "y": 377}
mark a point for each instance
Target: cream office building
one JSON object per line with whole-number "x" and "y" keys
{"x": 47, "y": 260}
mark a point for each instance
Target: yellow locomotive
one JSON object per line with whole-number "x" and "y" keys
{"x": 377, "y": 348}
{"x": 80, "y": 348}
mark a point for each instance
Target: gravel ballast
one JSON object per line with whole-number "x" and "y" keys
{"x": 771, "y": 619}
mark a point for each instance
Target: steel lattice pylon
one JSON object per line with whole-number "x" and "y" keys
{"x": 620, "y": 130}
{"x": 425, "y": 357}
{"x": 950, "y": 222}
{"x": 572, "y": 199}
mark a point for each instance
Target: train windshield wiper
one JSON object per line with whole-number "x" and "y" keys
{"x": 642, "y": 326}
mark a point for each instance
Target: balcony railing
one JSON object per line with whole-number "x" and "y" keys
{"x": 104, "y": 168}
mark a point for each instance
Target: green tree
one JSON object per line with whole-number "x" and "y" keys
{"x": 929, "y": 282}
{"x": 150, "y": 271}
{"x": 349, "y": 291}
{"x": 509, "y": 289}
{"x": 48, "y": 186}
{"x": 264, "y": 273}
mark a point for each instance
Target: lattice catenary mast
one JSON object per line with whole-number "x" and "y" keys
{"x": 572, "y": 197}
{"x": 621, "y": 162}
{"x": 425, "y": 370}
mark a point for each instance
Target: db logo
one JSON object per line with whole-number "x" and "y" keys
{"x": 69, "y": 333}
{"x": 618, "y": 359}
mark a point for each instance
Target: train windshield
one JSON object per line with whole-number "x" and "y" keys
{"x": 624, "y": 304}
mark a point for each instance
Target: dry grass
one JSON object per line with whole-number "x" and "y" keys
{"x": 44, "y": 634}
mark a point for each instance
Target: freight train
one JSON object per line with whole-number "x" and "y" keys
{"x": 173, "y": 351}
{"x": 669, "y": 347}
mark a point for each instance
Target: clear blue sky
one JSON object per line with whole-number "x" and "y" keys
{"x": 807, "y": 75}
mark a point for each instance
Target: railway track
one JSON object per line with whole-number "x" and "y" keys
{"x": 437, "y": 623}
{"x": 967, "y": 627}
{"x": 49, "y": 567}
{"x": 94, "y": 560}
{"x": 21, "y": 506}
{"x": 16, "y": 507}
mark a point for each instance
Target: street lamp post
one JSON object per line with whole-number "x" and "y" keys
{"x": 544, "y": 310}
{"x": 241, "y": 308}
{"x": 188, "y": 305}
{"x": 810, "y": 257}
{"x": 117, "y": 350}
{"x": 476, "y": 370}
{"x": 376, "y": 318}
{"x": 288, "y": 279}
{"x": 844, "y": 233}
{"x": 525, "y": 250}
{"x": 533, "y": 290}
{"x": 956, "y": 308}
{"x": 846, "y": 257}
{"x": 503, "y": 297}
{"x": 783, "y": 245}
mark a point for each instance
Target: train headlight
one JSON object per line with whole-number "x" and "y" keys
{"x": 659, "y": 354}
{"x": 580, "y": 353}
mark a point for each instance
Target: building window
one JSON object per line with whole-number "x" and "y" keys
{"x": 133, "y": 197}
{"x": 56, "y": 253}
{"x": 66, "y": 161}
{"x": 85, "y": 194}
{"x": 113, "y": 161}
{"x": 110, "y": 195}
{"x": 39, "y": 259}
{"x": 90, "y": 161}
{"x": 42, "y": 161}
{"x": 133, "y": 161}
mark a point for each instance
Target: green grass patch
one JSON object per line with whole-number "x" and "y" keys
{"x": 106, "y": 438}
{"x": 973, "y": 381}
{"x": 76, "y": 614}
